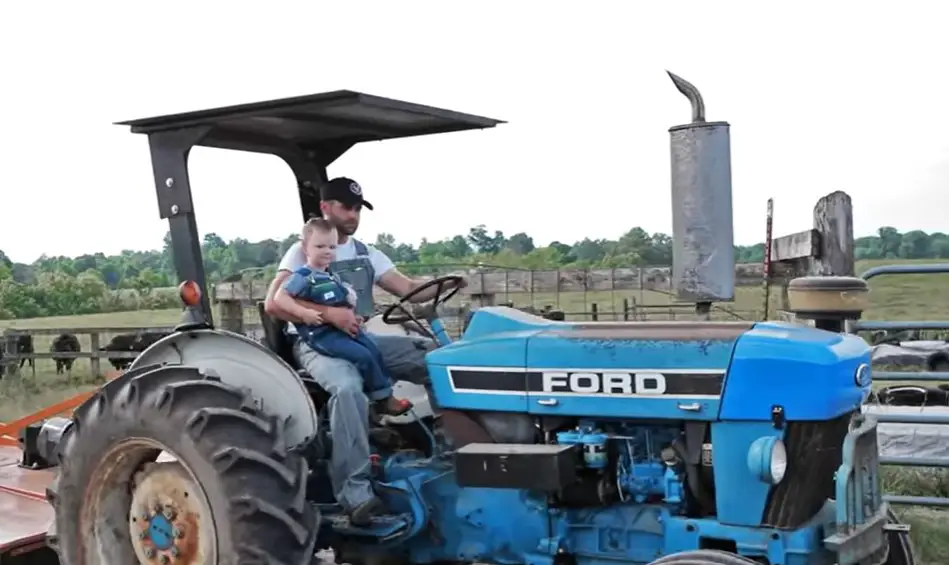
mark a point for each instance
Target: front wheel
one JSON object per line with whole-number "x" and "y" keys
{"x": 901, "y": 548}
{"x": 231, "y": 491}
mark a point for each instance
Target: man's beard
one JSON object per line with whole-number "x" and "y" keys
{"x": 343, "y": 228}
{"x": 347, "y": 230}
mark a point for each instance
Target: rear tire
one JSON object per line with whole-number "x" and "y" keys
{"x": 252, "y": 487}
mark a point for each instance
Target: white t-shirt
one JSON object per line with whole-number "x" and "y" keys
{"x": 294, "y": 258}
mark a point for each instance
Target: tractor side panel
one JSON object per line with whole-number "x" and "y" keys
{"x": 805, "y": 374}
{"x": 242, "y": 362}
{"x": 481, "y": 374}
{"x": 578, "y": 374}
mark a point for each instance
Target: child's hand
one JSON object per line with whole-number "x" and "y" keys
{"x": 312, "y": 318}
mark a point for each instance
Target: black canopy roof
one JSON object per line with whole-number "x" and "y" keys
{"x": 335, "y": 118}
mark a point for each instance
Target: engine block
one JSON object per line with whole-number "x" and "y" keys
{"x": 640, "y": 461}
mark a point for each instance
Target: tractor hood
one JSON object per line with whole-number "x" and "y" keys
{"x": 513, "y": 361}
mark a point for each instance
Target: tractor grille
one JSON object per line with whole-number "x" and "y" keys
{"x": 814, "y": 454}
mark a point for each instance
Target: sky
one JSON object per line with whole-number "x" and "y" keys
{"x": 821, "y": 96}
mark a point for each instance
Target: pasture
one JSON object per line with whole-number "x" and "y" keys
{"x": 903, "y": 297}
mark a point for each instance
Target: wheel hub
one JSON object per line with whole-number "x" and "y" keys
{"x": 168, "y": 520}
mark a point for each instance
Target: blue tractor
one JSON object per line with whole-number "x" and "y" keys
{"x": 548, "y": 443}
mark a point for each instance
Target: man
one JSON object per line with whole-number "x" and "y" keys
{"x": 362, "y": 266}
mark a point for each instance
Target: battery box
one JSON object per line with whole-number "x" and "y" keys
{"x": 548, "y": 468}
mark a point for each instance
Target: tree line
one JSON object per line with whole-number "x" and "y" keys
{"x": 59, "y": 285}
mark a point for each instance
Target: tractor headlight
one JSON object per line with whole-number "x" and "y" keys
{"x": 768, "y": 459}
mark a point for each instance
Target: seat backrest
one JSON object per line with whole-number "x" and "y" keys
{"x": 274, "y": 337}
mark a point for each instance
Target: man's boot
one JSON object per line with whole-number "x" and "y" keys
{"x": 361, "y": 515}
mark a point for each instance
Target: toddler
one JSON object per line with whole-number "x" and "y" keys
{"x": 315, "y": 283}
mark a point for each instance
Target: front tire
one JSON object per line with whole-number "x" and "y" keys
{"x": 901, "y": 547}
{"x": 235, "y": 494}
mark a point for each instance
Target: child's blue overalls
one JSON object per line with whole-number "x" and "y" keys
{"x": 327, "y": 289}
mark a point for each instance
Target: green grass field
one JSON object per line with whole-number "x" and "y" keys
{"x": 904, "y": 297}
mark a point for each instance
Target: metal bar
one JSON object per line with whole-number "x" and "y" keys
{"x": 916, "y": 461}
{"x": 766, "y": 279}
{"x": 910, "y": 269}
{"x": 940, "y": 419}
{"x": 692, "y": 93}
{"x": 922, "y": 376}
{"x": 900, "y": 325}
{"x": 917, "y": 500}
{"x": 169, "y": 152}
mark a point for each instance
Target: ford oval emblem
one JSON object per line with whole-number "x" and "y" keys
{"x": 863, "y": 377}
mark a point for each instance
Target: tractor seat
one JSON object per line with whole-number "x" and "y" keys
{"x": 276, "y": 340}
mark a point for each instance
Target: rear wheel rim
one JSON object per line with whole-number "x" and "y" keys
{"x": 158, "y": 509}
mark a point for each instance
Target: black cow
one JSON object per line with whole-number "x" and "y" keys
{"x": 24, "y": 345}
{"x": 130, "y": 342}
{"x": 64, "y": 343}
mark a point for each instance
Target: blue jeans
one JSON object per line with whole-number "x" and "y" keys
{"x": 349, "y": 466}
{"x": 362, "y": 352}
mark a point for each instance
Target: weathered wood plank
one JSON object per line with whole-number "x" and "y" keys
{"x": 76, "y": 355}
{"x": 85, "y": 331}
{"x": 799, "y": 245}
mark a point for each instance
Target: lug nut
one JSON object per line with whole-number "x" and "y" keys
{"x": 174, "y": 552}
{"x": 178, "y": 533}
{"x": 149, "y": 552}
{"x": 163, "y": 559}
{"x": 145, "y": 516}
{"x": 169, "y": 513}
{"x": 142, "y": 535}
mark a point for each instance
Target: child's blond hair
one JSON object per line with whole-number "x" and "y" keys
{"x": 316, "y": 225}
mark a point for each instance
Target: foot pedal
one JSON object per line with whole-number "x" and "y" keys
{"x": 382, "y": 527}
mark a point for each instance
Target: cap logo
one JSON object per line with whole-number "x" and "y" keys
{"x": 355, "y": 188}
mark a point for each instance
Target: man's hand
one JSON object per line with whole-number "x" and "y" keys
{"x": 312, "y": 318}
{"x": 344, "y": 319}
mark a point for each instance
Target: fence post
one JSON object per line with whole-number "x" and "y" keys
{"x": 593, "y": 312}
{"x": 833, "y": 219}
{"x": 232, "y": 315}
{"x": 826, "y": 249}
{"x": 94, "y": 364}
{"x": 9, "y": 362}
{"x": 626, "y": 309}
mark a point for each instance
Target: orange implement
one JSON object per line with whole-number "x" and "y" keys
{"x": 10, "y": 431}
{"x": 26, "y": 516}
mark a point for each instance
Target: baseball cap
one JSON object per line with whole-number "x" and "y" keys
{"x": 344, "y": 190}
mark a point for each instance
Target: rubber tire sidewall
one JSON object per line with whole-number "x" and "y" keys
{"x": 255, "y": 487}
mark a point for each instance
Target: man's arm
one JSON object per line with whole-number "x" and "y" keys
{"x": 390, "y": 279}
{"x": 288, "y": 299}
{"x": 292, "y": 260}
{"x": 282, "y": 310}
{"x": 400, "y": 285}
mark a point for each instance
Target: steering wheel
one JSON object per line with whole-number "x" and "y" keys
{"x": 398, "y": 313}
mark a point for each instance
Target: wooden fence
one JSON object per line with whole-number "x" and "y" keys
{"x": 485, "y": 285}
{"x": 91, "y": 340}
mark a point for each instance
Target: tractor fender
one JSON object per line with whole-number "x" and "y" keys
{"x": 242, "y": 362}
